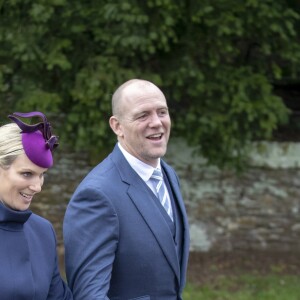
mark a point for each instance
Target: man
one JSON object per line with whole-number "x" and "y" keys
{"x": 120, "y": 240}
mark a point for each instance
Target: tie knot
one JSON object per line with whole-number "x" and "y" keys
{"x": 157, "y": 175}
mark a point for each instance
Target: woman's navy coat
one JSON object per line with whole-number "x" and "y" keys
{"x": 28, "y": 258}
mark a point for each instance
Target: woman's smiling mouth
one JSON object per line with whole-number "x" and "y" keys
{"x": 29, "y": 197}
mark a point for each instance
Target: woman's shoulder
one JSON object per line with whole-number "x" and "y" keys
{"x": 39, "y": 219}
{"x": 39, "y": 223}
{"x": 40, "y": 233}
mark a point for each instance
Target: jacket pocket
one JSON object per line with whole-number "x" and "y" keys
{"x": 141, "y": 298}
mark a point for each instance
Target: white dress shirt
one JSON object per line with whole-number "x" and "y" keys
{"x": 142, "y": 169}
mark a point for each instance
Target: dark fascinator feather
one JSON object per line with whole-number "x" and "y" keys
{"x": 44, "y": 127}
{"x": 37, "y": 139}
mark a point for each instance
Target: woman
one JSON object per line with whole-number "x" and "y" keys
{"x": 28, "y": 257}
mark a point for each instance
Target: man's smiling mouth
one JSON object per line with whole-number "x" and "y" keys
{"x": 155, "y": 136}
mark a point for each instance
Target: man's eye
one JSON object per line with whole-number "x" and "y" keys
{"x": 163, "y": 112}
{"x": 142, "y": 116}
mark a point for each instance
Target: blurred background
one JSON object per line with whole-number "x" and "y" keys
{"x": 230, "y": 72}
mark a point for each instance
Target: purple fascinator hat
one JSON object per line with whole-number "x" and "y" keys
{"x": 37, "y": 139}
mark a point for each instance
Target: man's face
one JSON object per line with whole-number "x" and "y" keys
{"x": 144, "y": 125}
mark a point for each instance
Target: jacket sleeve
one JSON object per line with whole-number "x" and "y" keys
{"x": 91, "y": 233}
{"x": 58, "y": 288}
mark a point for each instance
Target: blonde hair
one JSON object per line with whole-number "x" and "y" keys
{"x": 10, "y": 144}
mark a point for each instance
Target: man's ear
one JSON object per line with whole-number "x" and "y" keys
{"x": 115, "y": 126}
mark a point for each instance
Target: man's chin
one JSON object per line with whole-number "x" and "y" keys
{"x": 158, "y": 154}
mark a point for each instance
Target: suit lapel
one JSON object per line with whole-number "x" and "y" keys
{"x": 141, "y": 197}
{"x": 178, "y": 198}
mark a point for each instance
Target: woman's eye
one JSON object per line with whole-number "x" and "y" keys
{"x": 26, "y": 174}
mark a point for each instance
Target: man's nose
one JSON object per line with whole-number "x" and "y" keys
{"x": 155, "y": 120}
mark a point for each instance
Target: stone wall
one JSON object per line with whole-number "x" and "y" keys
{"x": 257, "y": 210}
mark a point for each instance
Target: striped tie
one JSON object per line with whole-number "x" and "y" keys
{"x": 161, "y": 192}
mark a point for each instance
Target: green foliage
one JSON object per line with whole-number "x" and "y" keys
{"x": 247, "y": 287}
{"x": 216, "y": 61}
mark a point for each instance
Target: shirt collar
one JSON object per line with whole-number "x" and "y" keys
{"x": 142, "y": 169}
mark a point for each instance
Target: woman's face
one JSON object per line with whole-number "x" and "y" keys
{"x": 20, "y": 182}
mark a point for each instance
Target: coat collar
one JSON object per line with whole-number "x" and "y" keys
{"x": 12, "y": 219}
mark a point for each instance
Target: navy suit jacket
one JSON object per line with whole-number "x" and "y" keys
{"x": 118, "y": 244}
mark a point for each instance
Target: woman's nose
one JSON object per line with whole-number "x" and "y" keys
{"x": 36, "y": 186}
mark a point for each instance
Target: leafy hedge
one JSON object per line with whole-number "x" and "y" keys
{"x": 216, "y": 61}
